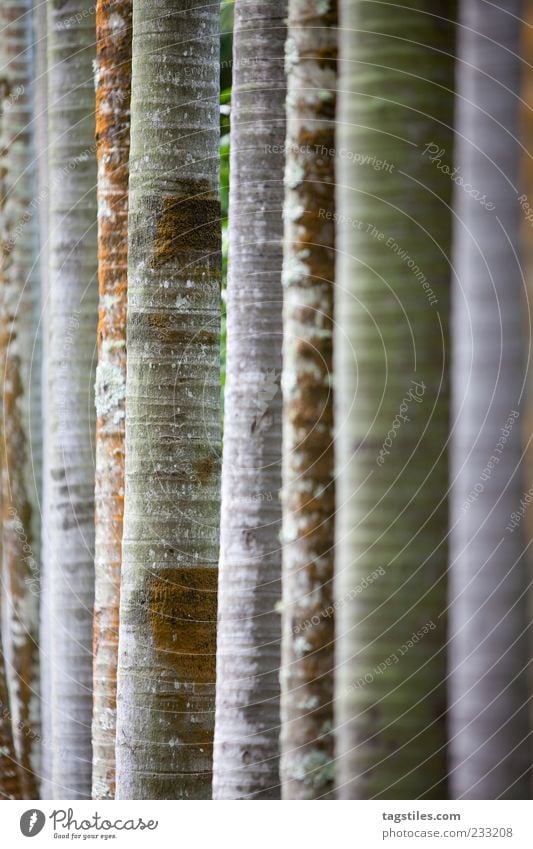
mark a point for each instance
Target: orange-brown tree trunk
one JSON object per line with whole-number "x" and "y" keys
{"x": 113, "y": 86}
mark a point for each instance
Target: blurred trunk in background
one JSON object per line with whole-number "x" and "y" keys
{"x": 391, "y": 362}
{"x": 490, "y": 751}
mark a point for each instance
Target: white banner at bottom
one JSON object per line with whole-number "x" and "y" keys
{"x": 268, "y": 825}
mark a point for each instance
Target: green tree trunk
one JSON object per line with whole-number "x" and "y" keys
{"x": 391, "y": 368}
{"x": 72, "y": 314}
{"x": 246, "y": 758}
{"x": 20, "y": 408}
{"x": 490, "y": 649}
{"x": 113, "y": 82}
{"x": 166, "y": 667}
{"x": 308, "y": 488}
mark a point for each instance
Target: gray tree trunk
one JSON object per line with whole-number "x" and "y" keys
{"x": 246, "y": 756}
{"x": 41, "y": 210}
{"x": 72, "y": 314}
{"x": 489, "y": 746}
{"x": 20, "y": 406}
{"x": 166, "y": 666}
{"x": 391, "y": 372}
{"x": 308, "y": 488}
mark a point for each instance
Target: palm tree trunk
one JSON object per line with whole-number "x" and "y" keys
{"x": 526, "y": 120}
{"x": 391, "y": 369}
{"x": 20, "y": 508}
{"x": 10, "y": 786}
{"x": 113, "y": 74}
{"x": 166, "y": 667}
{"x": 9, "y": 770}
{"x": 489, "y": 653}
{"x": 72, "y": 333}
{"x": 42, "y": 209}
{"x": 246, "y": 757}
{"x": 308, "y": 488}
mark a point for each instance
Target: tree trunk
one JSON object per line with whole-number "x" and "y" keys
{"x": 246, "y": 757}
{"x": 308, "y": 488}
{"x": 9, "y": 770}
{"x": 42, "y": 210}
{"x": 526, "y": 233}
{"x": 72, "y": 333}
{"x": 489, "y": 652}
{"x": 20, "y": 412}
{"x": 391, "y": 369}
{"x": 113, "y": 82}
{"x": 166, "y": 667}
{"x": 10, "y": 787}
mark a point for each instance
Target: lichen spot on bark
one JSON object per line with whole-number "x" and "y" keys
{"x": 110, "y": 391}
{"x": 323, "y": 7}
{"x": 317, "y": 769}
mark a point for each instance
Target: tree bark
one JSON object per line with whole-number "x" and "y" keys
{"x": 166, "y": 667}
{"x": 10, "y": 787}
{"x": 9, "y": 770}
{"x": 308, "y": 487}
{"x": 526, "y": 233}
{"x": 20, "y": 409}
{"x": 42, "y": 210}
{"x": 246, "y": 757}
{"x": 489, "y": 653}
{"x": 113, "y": 89}
{"x": 391, "y": 370}
{"x": 72, "y": 333}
